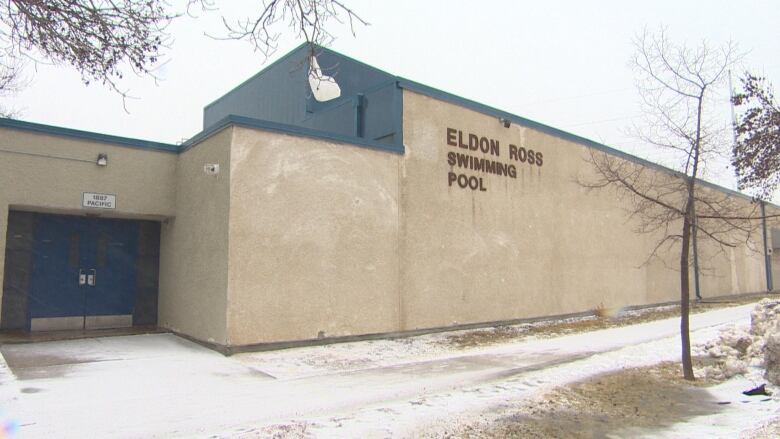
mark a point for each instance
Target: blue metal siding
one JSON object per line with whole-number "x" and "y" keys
{"x": 336, "y": 119}
{"x": 281, "y": 93}
{"x": 379, "y": 119}
{"x": 376, "y": 113}
{"x": 293, "y": 131}
{"x": 277, "y": 94}
{"x": 352, "y": 77}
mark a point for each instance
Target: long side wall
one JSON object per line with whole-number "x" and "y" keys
{"x": 725, "y": 270}
{"x": 531, "y": 245}
{"x": 313, "y": 239}
{"x": 194, "y": 244}
{"x": 773, "y": 244}
{"x": 142, "y": 180}
{"x": 329, "y": 240}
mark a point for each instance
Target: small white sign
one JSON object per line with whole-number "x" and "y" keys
{"x": 99, "y": 201}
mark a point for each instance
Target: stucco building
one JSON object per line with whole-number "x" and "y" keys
{"x": 391, "y": 207}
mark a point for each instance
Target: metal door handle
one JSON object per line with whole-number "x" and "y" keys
{"x": 82, "y": 277}
{"x": 92, "y": 277}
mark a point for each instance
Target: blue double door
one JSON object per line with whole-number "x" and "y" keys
{"x": 84, "y": 272}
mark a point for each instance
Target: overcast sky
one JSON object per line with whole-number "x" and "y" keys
{"x": 561, "y": 63}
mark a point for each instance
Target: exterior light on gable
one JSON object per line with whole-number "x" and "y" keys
{"x": 506, "y": 122}
{"x": 323, "y": 87}
{"x": 102, "y": 160}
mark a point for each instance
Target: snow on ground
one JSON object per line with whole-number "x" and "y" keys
{"x": 439, "y": 414}
{"x": 162, "y": 386}
{"x": 315, "y": 360}
{"x": 742, "y": 414}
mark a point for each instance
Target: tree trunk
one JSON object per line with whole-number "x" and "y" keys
{"x": 685, "y": 335}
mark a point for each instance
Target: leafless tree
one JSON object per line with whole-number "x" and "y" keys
{"x": 97, "y": 37}
{"x": 11, "y": 81}
{"x": 310, "y": 19}
{"x": 105, "y": 39}
{"x": 675, "y": 84}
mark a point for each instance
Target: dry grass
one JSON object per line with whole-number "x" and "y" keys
{"x": 623, "y": 404}
{"x": 602, "y": 319}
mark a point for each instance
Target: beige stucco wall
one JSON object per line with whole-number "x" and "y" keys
{"x": 535, "y": 245}
{"x": 313, "y": 239}
{"x": 141, "y": 179}
{"x": 725, "y": 270}
{"x": 299, "y": 238}
{"x": 773, "y": 229}
{"x": 194, "y": 244}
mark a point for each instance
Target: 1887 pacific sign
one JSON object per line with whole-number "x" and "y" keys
{"x": 98, "y": 201}
{"x": 489, "y": 150}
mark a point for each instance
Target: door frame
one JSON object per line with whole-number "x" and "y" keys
{"x": 18, "y": 274}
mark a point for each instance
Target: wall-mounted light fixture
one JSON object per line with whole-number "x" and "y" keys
{"x": 102, "y": 160}
{"x": 504, "y": 121}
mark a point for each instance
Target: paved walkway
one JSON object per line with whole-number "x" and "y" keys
{"x": 19, "y": 336}
{"x": 159, "y": 385}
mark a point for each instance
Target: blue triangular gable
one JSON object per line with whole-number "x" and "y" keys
{"x": 368, "y": 107}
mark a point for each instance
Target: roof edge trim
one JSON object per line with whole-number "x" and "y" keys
{"x": 491, "y": 111}
{"x": 248, "y": 122}
{"x": 88, "y": 135}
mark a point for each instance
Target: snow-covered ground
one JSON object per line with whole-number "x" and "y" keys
{"x": 162, "y": 386}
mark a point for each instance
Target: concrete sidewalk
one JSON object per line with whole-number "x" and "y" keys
{"x": 159, "y": 385}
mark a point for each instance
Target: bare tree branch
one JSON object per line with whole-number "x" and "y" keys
{"x": 102, "y": 39}
{"x": 674, "y": 83}
{"x": 308, "y": 18}
{"x": 106, "y": 39}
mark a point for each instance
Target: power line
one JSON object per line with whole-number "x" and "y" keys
{"x": 568, "y": 98}
{"x": 594, "y": 122}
